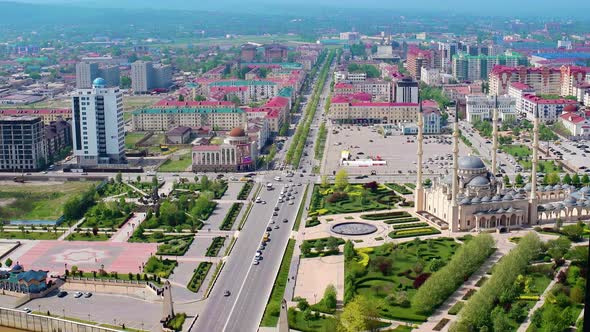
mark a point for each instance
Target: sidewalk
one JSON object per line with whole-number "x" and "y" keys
{"x": 70, "y": 230}
{"x": 125, "y": 232}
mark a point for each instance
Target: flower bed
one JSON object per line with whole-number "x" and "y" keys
{"x": 413, "y": 232}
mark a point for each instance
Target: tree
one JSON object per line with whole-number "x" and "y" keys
{"x": 306, "y": 248}
{"x": 319, "y": 246}
{"x": 8, "y": 262}
{"x": 518, "y": 181}
{"x": 567, "y": 179}
{"x": 506, "y": 180}
{"x": 119, "y": 177}
{"x": 302, "y": 304}
{"x": 332, "y": 244}
{"x": 341, "y": 179}
{"x": 358, "y": 315}
{"x": 558, "y": 248}
{"x": 585, "y": 180}
{"x": 500, "y": 321}
{"x": 95, "y": 231}
{"x": 125, "y": 82}
{"x": 180, "y": 97}
{"x": 324, "y": 183}
{"x": 349, "y": 250}
{"x": 576, "y": 180}
{"x": 330, "y": 297}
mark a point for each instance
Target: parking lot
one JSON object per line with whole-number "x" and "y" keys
{"x": 399, "y": 152}
{"x": 574, "y": 154}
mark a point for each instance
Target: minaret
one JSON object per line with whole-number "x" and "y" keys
{"x": 495, "y": 137}
{"x": 419, "y": 181}
{"x": 454, "y": 220}
{"x": 533, "y": 196}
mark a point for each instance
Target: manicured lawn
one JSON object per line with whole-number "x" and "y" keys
{"x": 517, "y": 150}
{"x": 199, "y": 275}
{"x": 115, "y": 188}
{"x": 87, "y": 236}
{"x": 413, "y": 232}
{"x": 271, "y": 313}
{"x": 326, "y": 201}
{"x": 27, "y": 235}
{"x": 161, "y": 268}
{"x": 174, "y": 245}
{"x": 37, "y": 201}
{"x": 297, "y": 322}
{"x": 381, "y": 271}
{"x": 399, "y": 188}
{"x": 180, "y": 165}
{"x": 456, "y": 308}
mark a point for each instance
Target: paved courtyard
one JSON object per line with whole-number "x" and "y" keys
{"x": 54, "y": 256}
{"x": 315, "y": 274}
{"x": 400, "y": 155}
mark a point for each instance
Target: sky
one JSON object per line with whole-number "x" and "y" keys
{"x": 546, "y": 8}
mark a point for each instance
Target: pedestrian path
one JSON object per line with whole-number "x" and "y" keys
{"x": 70, "y": 230}
{"x": 125, "y": 232}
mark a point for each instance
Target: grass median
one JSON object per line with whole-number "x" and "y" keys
{"x": 271, "y": 313}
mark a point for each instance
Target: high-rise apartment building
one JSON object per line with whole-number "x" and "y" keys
{"x": 416, "y": 59}
{"x": 87, "y": 72}
{"x": 543, "y": 80}
{"x": 146, "y": 76}
{"x": 478, "y": 67}
{"x": 22, "y": 146}
{"x": 97, "y": 125}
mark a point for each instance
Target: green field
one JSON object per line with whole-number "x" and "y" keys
{"x": 132, "y": 138}
{"x": 180, "y": 165}
{"x": 37, "y": 201}
{"x": 517, "y": 150}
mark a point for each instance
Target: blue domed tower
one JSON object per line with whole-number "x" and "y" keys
{"x": 99, "y": 82}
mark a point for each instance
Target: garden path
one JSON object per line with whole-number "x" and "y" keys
{"x": 70, "y": 230}
{"x": 527, "y": 322}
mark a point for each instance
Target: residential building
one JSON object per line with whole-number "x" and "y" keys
{"x": 432, "y": 117}
{"x": 416, "y": 59}
{"x": 58, "y": 136}
{"x": 164, "y": 119}
{"x": 571, "y": 77}
{"x": 544, "y": 80}
{"x": 275, "y": 53}
{"x": 245, "y": 91}
{"x": 406, "y": 91}
{"x": 431, "y": 77}
{"x": 248, "y": 52}
{"x": 237, "y": 154}
{"x": 145, "y": 76}
{"x": 447, "y": 51}
{"x": 481, "y": 107}
{"x": 344, "y": 111}
{"x": 22, "y": 146}
{"x": 516, "y": 90}
{"x": 97, "y": 125}
{"x": 549, "y": 109}
{"x": 46, "y": 115}
{"x": 86, "y": 72}
{"x": 478, "y": 67}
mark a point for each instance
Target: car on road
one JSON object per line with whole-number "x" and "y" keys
{"x": 261, "y": 247}
{"x": 277, "y": 227}
{"x": 78, "y": 294}
{"x": 268, "y": 229}
{"x": 285, "y": 220}
{"x": 226, "y": 293}
{"x": 291, "y": 202}
{"x": 27, "y": 310}
{"x": 255, "y": 262}
{"x": 87, "y": 294}
{"x": 274, "y": 214}
{"x": 62, "y": 294}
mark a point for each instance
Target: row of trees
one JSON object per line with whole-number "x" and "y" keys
{"x": 444, "y": 282}
{"x": 77, "y": 206}
{"x": 295, "y": 151}
{"x": 476, "y": 314}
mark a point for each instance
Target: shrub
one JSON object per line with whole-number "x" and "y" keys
{"x": 456, "y": 308}
{"x": 420, "y": 279}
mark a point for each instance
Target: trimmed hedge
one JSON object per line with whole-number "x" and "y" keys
{"x": 215, "y": 246}
{"x": 414, "y": 225}
{"x": 230, "y": 217}
{"x": 245, "y": 191}
{"x": 401, "y": 220}
{"x": 199, "y": 275}
{"x": 456, "y": 308}
{"x": 413, "y": 232}
{"x": 399, "y": 188}
{"x": 386, "y": 215}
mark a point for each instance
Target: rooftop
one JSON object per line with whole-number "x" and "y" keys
{"x": 187, "y": 110}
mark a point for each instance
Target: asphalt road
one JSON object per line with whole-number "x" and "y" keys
{"x": 250, "y": 285}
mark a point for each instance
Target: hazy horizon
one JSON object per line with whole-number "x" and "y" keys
{"x": 564, "y": 8}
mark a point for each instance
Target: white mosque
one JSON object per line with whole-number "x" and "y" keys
{"x": 473, "y": 199}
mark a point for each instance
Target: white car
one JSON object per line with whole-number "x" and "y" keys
{"x": 291, "y": 202}
{"x": 27, "y": 310}
{"x": 255, "y": 262}
{"x": 78, "y": 294}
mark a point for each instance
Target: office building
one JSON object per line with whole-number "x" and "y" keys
{"x": 238, "y": 153}
{"x": 145, "y": 76}
{"x": 481, "y": 107}
{"x": 97, "y": 125}
{"x": 549, "y": 109}
{"x": 22, "y": 146}
{"x": 406, "y": 91}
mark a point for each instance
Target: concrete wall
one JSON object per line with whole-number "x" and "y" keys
{"x": 38, "y": 323}
{"x": 105, "y": 287}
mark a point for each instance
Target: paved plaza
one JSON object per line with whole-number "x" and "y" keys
{"x": 398, "y": 151}
{"x": 315, "y": 274}
{"x": 54, "y": 256}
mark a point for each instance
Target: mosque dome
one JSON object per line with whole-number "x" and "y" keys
{"x": 479, "y": 181}
{"x": 237, "y": 132}
{"x": 470, "y": 162}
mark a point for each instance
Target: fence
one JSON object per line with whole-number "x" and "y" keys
{"x": 39, "y": 323}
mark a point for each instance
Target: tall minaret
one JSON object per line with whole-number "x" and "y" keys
{"x": 495, "y": 137}
{"x": 533, "y": 196}
{"x": 419, "y": 181}
{"x": 454, "y": 220}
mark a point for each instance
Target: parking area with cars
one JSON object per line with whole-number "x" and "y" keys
{"x": 399, "y": 152}
{"x": 573, "y": 154}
